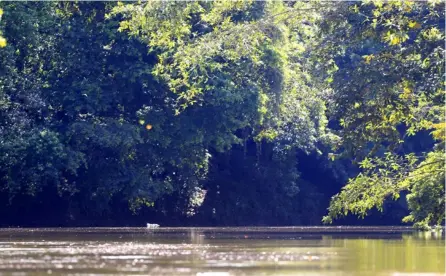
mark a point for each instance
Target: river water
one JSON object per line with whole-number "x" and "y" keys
{"x": 395, "y": 251}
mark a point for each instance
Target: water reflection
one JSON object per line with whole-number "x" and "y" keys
{"x": 196, "y": 237}
{"x": 227, "y": 251}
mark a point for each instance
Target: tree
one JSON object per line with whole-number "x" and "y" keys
{"x": 106, "y": 119}
{"x": 244, "y": 67}
{"x": 388, "y": 87}
{"x": 91, "y": 125}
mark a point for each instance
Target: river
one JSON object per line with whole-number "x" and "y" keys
{"x": 396, "y": 251}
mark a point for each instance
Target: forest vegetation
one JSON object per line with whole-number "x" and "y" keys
{"x": 222, "y": 113}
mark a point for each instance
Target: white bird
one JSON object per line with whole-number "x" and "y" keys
{"x": 152, "y": 226}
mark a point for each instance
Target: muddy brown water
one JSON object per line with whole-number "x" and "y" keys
{"x": 395, "y": 251}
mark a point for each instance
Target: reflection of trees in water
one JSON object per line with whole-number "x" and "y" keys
{"x": 196, "y": 237}
{"x": 417, "y": 252}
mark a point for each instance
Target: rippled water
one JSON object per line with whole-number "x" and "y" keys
{"x": 395, "y": 251}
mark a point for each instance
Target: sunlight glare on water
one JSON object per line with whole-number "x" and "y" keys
{"x": 221, "y": 251}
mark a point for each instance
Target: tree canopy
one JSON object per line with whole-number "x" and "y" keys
{"x": 205, "y": 108}
{"x": 388, "y": 89}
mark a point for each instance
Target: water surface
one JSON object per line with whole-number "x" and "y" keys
{"x": 395, "y": 251}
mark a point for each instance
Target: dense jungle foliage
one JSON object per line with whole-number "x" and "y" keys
{"x": 222, "y": 113}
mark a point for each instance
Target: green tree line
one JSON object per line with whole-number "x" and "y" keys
{"x": 221, "y": 112}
